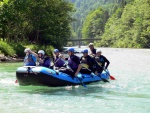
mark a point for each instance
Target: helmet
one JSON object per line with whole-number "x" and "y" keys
{"x": 56, "y": 50}
{"x": 70, "y": 49}
{"x": 27, "y": 49}
{"x": 98, "y": 50}
{"x": 85, "y": 51}
{"x": 91, "y": 44}
{"x": 42, "y": 52}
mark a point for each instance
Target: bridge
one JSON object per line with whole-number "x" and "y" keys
{"x": 79, "y": 40}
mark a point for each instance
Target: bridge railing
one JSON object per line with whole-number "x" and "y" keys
{"x": 79, "y": 40}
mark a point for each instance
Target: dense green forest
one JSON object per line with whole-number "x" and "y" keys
{"x": 118, "y": 23}
{"x": 129, "y": 26}
{"x": 49, "y": 23}
{"x": 40, "y": 22}
{"x": 84, "y": 7}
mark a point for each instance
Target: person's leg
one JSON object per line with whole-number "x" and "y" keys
{"x": 100, "y": 69}
{"x": 85, "y": 71}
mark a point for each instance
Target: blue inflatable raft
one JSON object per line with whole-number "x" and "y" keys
{"x": 34, "y": 75}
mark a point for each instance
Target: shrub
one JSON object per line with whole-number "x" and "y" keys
{"x": 6, "y": 49}
{"x": 19, "y": 49}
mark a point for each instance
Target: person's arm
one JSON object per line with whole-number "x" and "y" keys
{"x": 79, "y": 68}
{"x": 107, "y": 62}
{"x": 61, "y": 56}
{"x": 36, "y": 55}
{"x": 77, "y": 60}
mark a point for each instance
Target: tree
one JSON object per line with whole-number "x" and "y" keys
{"x": 84, "y": 7}
{"x": 44, "y": 21}
{"x": 94, "y": 24}
{"x": 131, "y": 29}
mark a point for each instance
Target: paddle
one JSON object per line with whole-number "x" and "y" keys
{"x": 111, "y": 77}
{"x": 56, "y": 62}
{"x": 82, "y": 82}
{"x": 77, "y": 77}
{"x": 29, "y": 69}
{"x": 97, "y": 75}
{"x": 16, "y": 81}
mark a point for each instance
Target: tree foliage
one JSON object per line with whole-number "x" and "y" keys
{"x": 93, "y": 26}
{"x": 84, "y": 7}
{"x": 129, "y": 27}
{"x": 41, "y": 21}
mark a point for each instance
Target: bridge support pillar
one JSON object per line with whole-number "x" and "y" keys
{"x": 79, "y": 44}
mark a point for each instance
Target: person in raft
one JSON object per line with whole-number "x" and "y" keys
{"x": 88, "y": 64}
{"x": 92, "y": 50}
{"x": 44, "y": 60}
{"x": 30, "y": 59}
{"x": 73, "y": 62}
{"x": 58, "y": 59}
{"x": 102, "y": 61}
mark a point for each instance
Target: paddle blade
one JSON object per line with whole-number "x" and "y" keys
{"x": 16, "y": 81}
{"x": 112, "y": 78}
{"x": 82, "y": 82}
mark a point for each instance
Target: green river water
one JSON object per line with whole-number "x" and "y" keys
{"x": 129, "y": 93}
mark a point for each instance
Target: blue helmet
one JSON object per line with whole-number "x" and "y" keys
{"x": 85, "y": 51}
{"x": 56, "y": 50}
{"x": 70, "y": 49}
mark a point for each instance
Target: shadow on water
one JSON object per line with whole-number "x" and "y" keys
{"x": 62, "y": 91}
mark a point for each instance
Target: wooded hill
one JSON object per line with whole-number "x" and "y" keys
{"x": 118, "y": 23}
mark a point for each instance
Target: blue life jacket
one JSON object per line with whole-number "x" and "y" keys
{"x": 46, "y": 62}
{"x": 58, "y": 62}
{"x": 30, "y": 60}
{"x": 71, "y": 63}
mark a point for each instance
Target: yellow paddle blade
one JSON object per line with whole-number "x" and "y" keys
{"x": 85, "y": 65}
{"x": 99, "y": 63}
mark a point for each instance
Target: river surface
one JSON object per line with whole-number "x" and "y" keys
{"x": 129, "y": 93}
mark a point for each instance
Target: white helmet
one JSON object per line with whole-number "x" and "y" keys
{"x": 27, "y": 50}
{"x": 98, "y": 50}
{"x": 42, "y": 52}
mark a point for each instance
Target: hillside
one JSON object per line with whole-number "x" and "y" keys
{"x": 84, "y": 7}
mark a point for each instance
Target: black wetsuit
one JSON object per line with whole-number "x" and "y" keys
{"x": 102, "y": 60}
{"x": 94, "y": 51}
{"x": 91, "y": 63}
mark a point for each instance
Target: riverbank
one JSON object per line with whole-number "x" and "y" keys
{"x": 4, "y": 58}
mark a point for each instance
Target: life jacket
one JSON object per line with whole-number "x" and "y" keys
{"x": 71, "y": 63}
{"x": 58, "y": 62}
{"x": 89, "y": 62}
{"x": 46, "y": 61}
{"x": 30, "y": 60}
{"x": 94, "y": 51}
{"x": 84, "y": 62}
{"x": 100, "y": 60}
